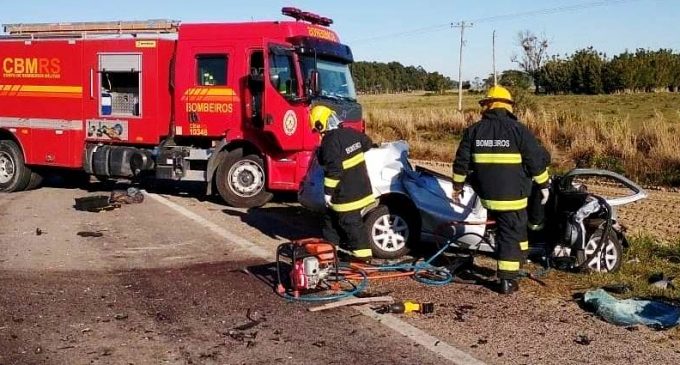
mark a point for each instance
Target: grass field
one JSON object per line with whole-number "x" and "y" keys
{"x": 636, "y": 134}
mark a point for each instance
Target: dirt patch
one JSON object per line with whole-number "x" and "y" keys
{"x": 526, "y": 328}
{"x": 193, "y": 315}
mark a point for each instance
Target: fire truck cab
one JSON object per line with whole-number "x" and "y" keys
{"x": 223, "y": 103}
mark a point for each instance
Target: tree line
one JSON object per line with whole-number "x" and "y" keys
{"x": 393, "y": 77}
{"x": 588, "y": 71}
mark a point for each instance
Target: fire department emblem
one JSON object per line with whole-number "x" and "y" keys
{"x": 289, "y": 123}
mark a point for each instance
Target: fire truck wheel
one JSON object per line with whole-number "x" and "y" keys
{"x": 35, "y": 181}
{"x": 14, "y": 175}
{"x": 241, "y": 180}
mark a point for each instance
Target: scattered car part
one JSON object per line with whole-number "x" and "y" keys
{"x": 94, "y": 203}
{"x": 630, "y": 312}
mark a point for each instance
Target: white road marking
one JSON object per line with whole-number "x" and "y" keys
{"x": 242, "y": 243}
{"x": 439, "y": 347}
{"x": 420, "y": 337}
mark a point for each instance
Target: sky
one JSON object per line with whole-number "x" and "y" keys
{"x": 413, "y": 32}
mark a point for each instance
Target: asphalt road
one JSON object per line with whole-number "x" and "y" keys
{"x": 165, "y": 283}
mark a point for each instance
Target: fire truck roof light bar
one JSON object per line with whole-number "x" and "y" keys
{"x": 120, "y": 27}
{"x": 298, "y": 15}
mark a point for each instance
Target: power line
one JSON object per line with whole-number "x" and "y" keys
{"x": 550, "y": 11}
{"x": 500, "y": 17}
{"x": 411, "y": 32}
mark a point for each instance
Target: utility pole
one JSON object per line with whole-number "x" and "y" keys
{"x": 493, "y": 47}
{"x": 462, "y": 25}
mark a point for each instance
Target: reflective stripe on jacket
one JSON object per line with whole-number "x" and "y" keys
{"x": 341, "y": 154}
{"x": 500, "y": 156}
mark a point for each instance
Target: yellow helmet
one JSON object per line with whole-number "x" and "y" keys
{"x": 497, "y": 94}
{"x": 323, "y": 119}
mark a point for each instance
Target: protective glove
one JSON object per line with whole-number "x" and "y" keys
{"x": 546, "y": 194}
{"x": 457, "y": 193}
{"x": 327, "y": 199}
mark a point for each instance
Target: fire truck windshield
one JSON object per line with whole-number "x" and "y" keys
{"x": 335, "y": 79}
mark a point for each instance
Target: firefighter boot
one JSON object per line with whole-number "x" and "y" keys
{"x": 508, "y": 286}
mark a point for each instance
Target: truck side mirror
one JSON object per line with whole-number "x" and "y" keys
{"x": 314, "y": 85}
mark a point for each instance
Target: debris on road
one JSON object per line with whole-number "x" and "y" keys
{"x": 39, "y": 232}
{"x": 630, "y": 312}
{"x": 129, "y": 196}
{"x": 90, "y": 234}
{"x": 98, "y": 203}
{"x": 661, "y": 281}
{"x": 254, "y": 319}
{"x": 634, "y": 260}
{"x": 351, "y": 301}
{"x": 618, "y": 288}
{"x": 94, "y": 203}
{"x": 584, "y": 340}
{"x": 120, "y": 316}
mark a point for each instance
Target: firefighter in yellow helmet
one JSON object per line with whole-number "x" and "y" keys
{"x": 500, "y": 158}
{"x": 347, "y": 188}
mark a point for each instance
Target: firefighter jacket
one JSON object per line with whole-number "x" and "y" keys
{"x": 341, "y": 154}
{"x": 499, "y": 157}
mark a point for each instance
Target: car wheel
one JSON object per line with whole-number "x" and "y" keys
{"x": 241, "y": 180}
{"x": 612, "y": 253}
{"x": 391, "y": 232}
{"x": 14, "y": 175}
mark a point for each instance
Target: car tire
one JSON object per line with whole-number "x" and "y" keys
{"x": 14, "y": 174}
{"x": 391, "y": 231}
{"x": 613, "y": 252}
{"x": 241, "y": 180}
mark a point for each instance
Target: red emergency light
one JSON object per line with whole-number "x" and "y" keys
{"x": 298, "y": 15}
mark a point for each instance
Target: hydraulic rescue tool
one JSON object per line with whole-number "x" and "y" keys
{"x": 408, "y": 306}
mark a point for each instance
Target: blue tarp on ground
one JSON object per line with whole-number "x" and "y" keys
{"x": 630, "y": 312}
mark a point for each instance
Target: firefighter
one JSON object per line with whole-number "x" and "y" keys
{"x": 347, "y": 188}
{"x": 500, "y": 157}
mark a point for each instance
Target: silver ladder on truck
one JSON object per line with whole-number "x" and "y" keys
{"x": 82, "y": 29}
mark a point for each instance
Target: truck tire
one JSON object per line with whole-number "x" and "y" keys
{"x": 14, "y": 175}
{"x": 391, "y": 231}
{"x": 35, "y": 181}
{"x": 241, "y": 180}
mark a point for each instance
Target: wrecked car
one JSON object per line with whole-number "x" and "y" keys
{"x": 414, "y": 209}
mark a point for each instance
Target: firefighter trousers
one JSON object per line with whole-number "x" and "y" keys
{"x": 511, "y": 241}
{"x": 536, "y": 211}
{"x": 346, "y": 229}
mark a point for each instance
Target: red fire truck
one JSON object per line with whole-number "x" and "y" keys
{"x": 224, "y": 103}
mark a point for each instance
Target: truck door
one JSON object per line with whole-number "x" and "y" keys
{"x": 207, "y": 93}
{"x": 284, "y": 113}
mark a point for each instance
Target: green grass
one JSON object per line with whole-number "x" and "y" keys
{"x": 634, "y": 134}
{"x": 644, "y": 257}
{"x": 635, "y": 108}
